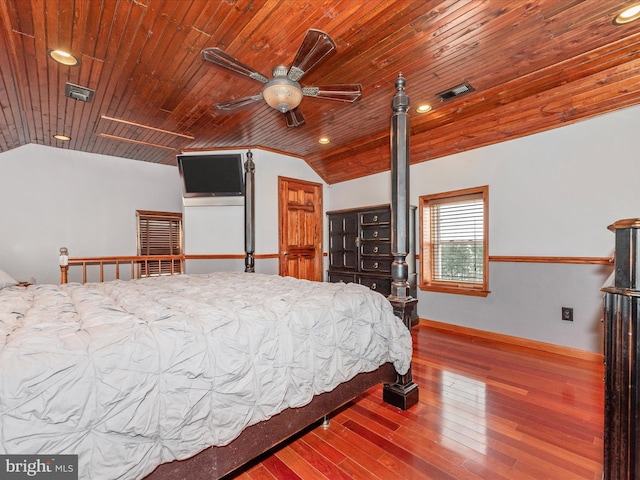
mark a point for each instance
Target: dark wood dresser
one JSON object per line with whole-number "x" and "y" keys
{"x": 360, "y": 247}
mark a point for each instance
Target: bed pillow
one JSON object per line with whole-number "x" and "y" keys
{"x": 6, "y": 280}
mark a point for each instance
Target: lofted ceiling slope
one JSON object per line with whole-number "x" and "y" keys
{"x": 533, "y": 64}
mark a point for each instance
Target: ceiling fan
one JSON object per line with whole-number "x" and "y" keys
{"x": 282, "y": 91}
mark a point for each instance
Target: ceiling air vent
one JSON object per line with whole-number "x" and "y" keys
{"x": 455, "y": 91}
{"x": 78, "y": 93}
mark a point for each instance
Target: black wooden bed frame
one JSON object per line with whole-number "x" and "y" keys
{"x": 399, "y": 390}
{"x": 215, "y": 462}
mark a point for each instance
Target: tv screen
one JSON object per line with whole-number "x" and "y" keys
{"x": 211, "y": 175}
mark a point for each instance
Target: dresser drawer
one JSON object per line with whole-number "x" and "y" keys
{"x": 381, "y": 265}
{"x": 341, "y": 277}
{"x": 379, "y": 284}
{"x": 376, "y": 217}
{"x": 376, "y": 232}
{"x": 376, "y": 248}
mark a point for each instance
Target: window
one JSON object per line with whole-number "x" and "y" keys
{"x": 160, "y": 233}
{"x": 454, "y": 250}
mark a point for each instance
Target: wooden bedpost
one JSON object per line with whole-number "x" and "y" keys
{"x": 404, "y": 393}
{"x": 64, "y": 264}
{"x": 249, "y": 213}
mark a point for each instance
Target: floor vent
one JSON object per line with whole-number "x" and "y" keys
{"x": 455, "y": 91}
{"x": 78, "y": 93}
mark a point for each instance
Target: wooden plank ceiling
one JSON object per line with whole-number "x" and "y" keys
{"x": 534, "y": 65}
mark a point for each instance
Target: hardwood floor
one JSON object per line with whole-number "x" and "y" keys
{"x": 486, "y": 411}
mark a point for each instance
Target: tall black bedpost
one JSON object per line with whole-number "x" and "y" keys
{"x": 249, "y": 213}
{"x": 404, "y": 393}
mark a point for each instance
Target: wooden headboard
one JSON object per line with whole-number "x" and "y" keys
{"x": 133, "y": 265}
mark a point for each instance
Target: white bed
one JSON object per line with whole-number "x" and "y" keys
{"x": 132, "y": 374}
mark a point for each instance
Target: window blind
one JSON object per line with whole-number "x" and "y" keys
{"x": 160, "y": 233}
{"x": 457, "y": 239}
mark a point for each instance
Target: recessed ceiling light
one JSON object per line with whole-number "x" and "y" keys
{"x": 324, "y": 140}
{"x": 59, "y": 136}
{"x": 424, "y": 108}
{"x": 628, "y": 15}
{"x": 63, "y": 57}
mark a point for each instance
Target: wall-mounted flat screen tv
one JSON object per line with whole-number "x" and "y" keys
{"x": 212, "y": 178}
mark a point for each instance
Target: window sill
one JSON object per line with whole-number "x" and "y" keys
{"x": 476, "y": 292}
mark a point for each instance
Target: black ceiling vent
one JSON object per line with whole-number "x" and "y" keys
{"x": 455, "y": 91}
{"x": 78, "y": 93}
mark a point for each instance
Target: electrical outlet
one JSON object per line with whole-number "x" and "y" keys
{"x": 567, "y": 314}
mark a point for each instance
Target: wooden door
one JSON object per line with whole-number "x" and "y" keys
{"x": 300, "y": 228}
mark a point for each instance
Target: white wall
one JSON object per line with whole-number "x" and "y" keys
{"x": 220, "y": 229}
{"x": 54, "y": 197}
{"x": 550, "y": 194}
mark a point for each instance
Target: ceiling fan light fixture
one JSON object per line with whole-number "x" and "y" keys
{"x": 627, "y": 15}
{"x": 282, "y": 97}
{"x": 282, "y": 93}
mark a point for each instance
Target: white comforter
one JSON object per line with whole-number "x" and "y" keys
{"x": 131, "y": 374}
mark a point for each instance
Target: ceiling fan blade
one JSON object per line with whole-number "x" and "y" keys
{"x": 238, "y": 102}
{"x": 314, "y": 48}
{"x": 294, "y": 118}
{"x": 217, "y": 56}
{"x": 344, "y": 93}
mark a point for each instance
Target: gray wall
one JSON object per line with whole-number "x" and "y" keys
{"x": 54, "y": 197}
{"x": 550, "y": 194}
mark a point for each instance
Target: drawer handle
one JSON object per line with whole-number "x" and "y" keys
{"x": 375, "y": 234}
{"x": 375, "y": 218}
{"x": 375, "y": 264}
{"x": 375, "y": 249}
{"x": 374, "y": 286}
